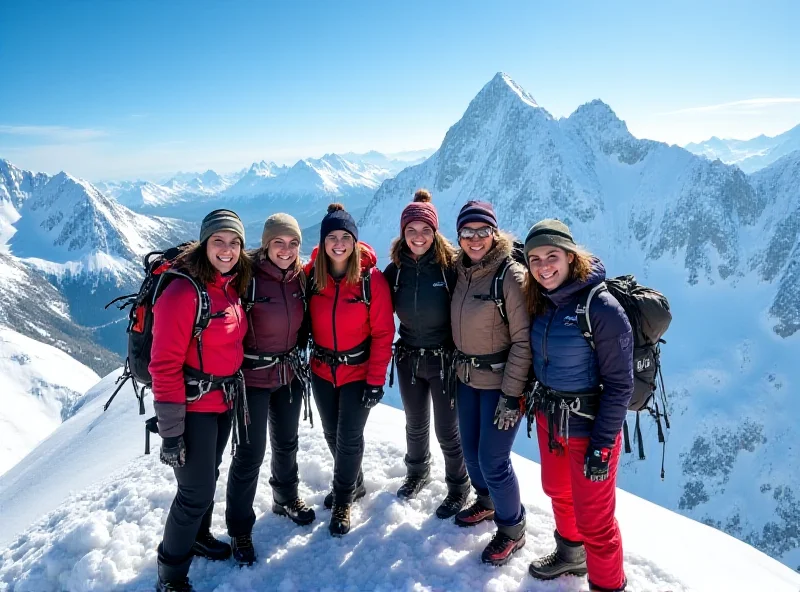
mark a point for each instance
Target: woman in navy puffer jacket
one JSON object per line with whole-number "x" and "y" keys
{"x": 582, "y": 396}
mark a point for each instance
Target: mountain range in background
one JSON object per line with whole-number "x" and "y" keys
{"x": 749, "y": 155}
{"x": 723, "y": 245}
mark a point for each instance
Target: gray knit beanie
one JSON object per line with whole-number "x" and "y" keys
{"x": 220, "y": 220}
{"x": 278, "y": 225}
{"x": 549, "y": 232}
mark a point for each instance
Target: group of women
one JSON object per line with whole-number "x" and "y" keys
{"x": 477, "y": 330}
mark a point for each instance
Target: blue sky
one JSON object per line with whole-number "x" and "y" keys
{"x": 126, "y": 89}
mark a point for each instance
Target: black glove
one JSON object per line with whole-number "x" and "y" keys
{"x": 372, "y": 396}
{"x": 508, "y": 412}
{"x": 595, "y": 465}
{"x": 173, "y": 451}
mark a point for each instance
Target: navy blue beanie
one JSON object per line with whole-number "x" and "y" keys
{"x": 337, "y": 218}
{"x": 476, "y": 211}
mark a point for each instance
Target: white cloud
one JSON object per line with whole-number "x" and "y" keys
{"x": 56, "y": 133}
{"x": 748, "y": 105}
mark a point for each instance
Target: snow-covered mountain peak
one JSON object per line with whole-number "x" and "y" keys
{"x": 502, "y": 82}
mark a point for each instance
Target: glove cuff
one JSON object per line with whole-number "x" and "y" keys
{"x": 171, "y": 441}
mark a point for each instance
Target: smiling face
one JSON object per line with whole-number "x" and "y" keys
{"x": 549, "y": 266}
{"x": 339, "y": 244}
{"x": 223, "y": 249}
{"x": 480, "y": 240}
{"x": 419, "y": 237}
{"x": 283, "y": 251}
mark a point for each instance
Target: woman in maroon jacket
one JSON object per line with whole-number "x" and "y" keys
{"x": 274, "y": 391}
{"x": 352, "y": 326}
{"x": 194, "y": 421}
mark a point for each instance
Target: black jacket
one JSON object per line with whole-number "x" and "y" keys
{"x": 421, "y": 298}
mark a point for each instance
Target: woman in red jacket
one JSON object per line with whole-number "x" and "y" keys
{"x": 352, "y": 326}
{"x": 274, "y": 390}
{"x": 194, "y": 416}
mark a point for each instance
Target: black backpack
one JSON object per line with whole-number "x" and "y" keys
{"x": 159, "y": 271}
{"x": 496, "y": 289}
{"x": 650, "y": 317}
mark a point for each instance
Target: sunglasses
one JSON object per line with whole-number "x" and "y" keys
{"x": 482, "y": 232}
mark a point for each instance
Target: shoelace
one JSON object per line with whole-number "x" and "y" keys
{"x": 341, "y": 513}
{"x": 298, "y": 505}
{"x": 181, "y": 585}
{"x": 412, "y": 483}
{"x": 206, "y": 537}
{"x": 548, "y": 560}
{"x": 243, "y": 542}
{"x": 499, "y": 542}
{"x": 453, "y": 500}
{"x": 476, "y": 509}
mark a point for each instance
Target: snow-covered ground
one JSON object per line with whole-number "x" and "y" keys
{"x": 106, "y": 503}
{"x": 40, "y": 384}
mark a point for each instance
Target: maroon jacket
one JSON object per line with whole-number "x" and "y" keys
{"x": 275, "y": 321}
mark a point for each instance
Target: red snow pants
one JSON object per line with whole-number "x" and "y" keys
{"x": 584, "y": 509}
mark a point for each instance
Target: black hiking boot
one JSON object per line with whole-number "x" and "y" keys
{"x": 412, "y": 485}
{"x": 457, "y": 496}
{"x": 205, "y": 545}
{"x": 361, "y": 491}
{"x": 340, "y": 520}
{"x": 296, "y": 510}
{"x": 569, "y": 558}
{"x": 173, "y": 578}
{"x": 506, "y": 541}
{"x": 243, "y": 551}
{"x": 480, "y": 510}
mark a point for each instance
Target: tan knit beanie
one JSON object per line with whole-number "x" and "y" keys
{"x": 280, "y": 224}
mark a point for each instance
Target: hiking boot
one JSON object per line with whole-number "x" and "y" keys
{"x": 480, "y": 510}
{"x": 504, "y": 543}
{"x": 569, "y": 558}
{"x": 173, "y": 578}
{"x": 452, "y": 504}
{"x": 596, "y": 588}
{"x": 243, "y": 551}
{"x": 296, "y": 510}
{"x": 340, "y": 520}
{"x": 412, "y": 485}
{"x": 361, "y": 491}
{"x": 205, "y": 545}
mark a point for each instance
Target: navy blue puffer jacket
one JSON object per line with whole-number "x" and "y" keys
{"x": 564, "y": 361}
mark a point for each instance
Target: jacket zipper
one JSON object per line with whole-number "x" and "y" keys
{"x": 416, "y": 291}
{"x": 335, "y": 300}
{"x": 544, "y": 341}
{"x": 288, "y": 317}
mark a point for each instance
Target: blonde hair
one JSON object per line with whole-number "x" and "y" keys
{"x": 579, "y": 269}
{"x": 322, "y": 266}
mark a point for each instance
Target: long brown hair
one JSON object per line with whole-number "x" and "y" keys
{"x": 322, "y": 266}
{"x": 194, "y": 261}
{"x": 579, "y": 270}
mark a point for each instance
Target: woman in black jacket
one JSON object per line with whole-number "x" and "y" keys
{"x": 421, "y": 276}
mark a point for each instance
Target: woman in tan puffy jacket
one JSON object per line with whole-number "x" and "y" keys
{"x": 492, "y": 361}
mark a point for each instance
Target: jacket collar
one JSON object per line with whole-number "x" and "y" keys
{"x": 266, "y": 267}
{"x": 567, "y": 291}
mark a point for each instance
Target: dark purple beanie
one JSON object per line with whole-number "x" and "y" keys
{"x": 476, "y": 211}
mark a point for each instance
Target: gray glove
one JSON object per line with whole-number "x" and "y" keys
{"x": 173, "y": 451}
{"x": 508, "y": 412}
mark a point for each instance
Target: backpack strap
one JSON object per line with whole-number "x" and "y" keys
{"x": 496, "y": 288}
{"x": 366, "y": 286}
{"x": 582, "y": 312}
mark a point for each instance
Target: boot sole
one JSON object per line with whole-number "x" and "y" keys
{"x": 467, "y": 524}
{"x": 281, "y": 511}
{"x": 498, "y": 563}
{"x": 580, "y": 572}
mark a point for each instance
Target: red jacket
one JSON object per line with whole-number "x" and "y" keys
{"x": 275, "y": 323}
{"x": 353, "y": 322}
{"x": 173, "y": 347}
